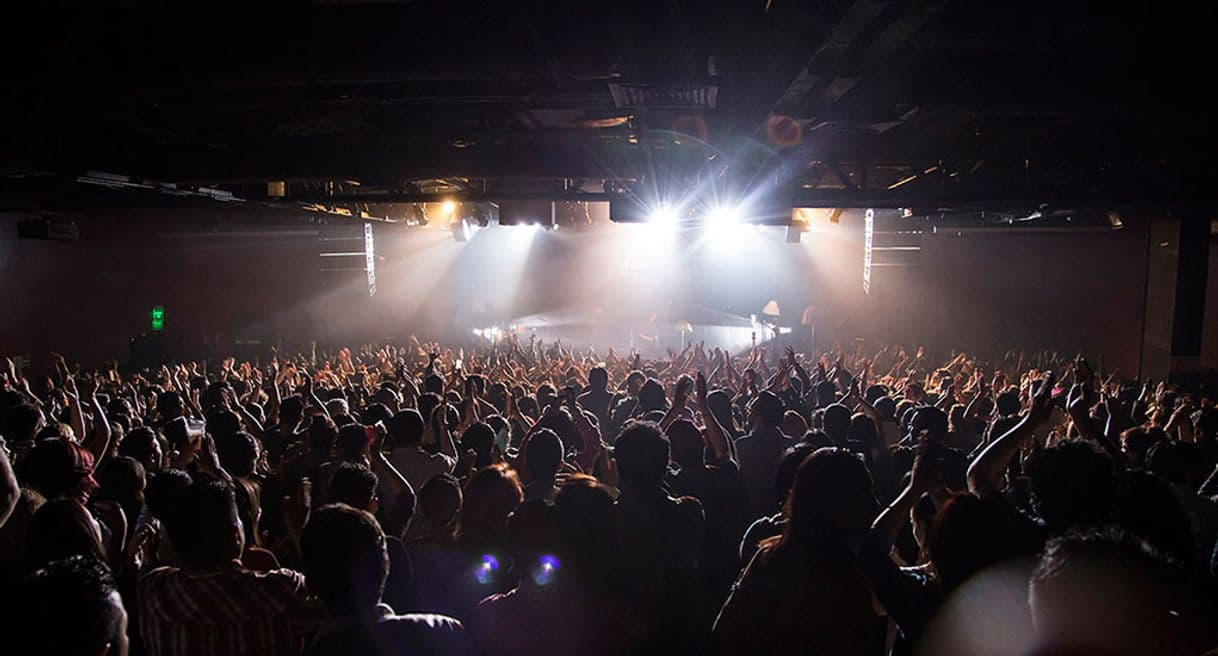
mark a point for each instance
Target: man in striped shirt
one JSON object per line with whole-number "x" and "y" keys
{"x": 212, "y": 605}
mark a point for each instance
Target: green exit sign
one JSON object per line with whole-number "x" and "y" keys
{"x": 157, "y": 314}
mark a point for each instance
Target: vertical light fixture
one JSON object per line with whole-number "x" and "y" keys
{"x": 369, "y": 259}
{"x": 868, "y": 232}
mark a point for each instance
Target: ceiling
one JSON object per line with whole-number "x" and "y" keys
{"x": 887, "y": 103}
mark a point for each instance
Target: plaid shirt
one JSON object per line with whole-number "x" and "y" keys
{"x": 225, "y": 611}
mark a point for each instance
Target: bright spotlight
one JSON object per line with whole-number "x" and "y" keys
{"x": 664, "y": 214}
{"x": 723, "y": 215}
{"x": 448, "y": 207}
{"x": 723, "y": 227}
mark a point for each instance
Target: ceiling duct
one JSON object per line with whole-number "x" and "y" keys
{"x": 627, "y": 95}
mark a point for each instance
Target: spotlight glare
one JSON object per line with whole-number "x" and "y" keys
{"x": 723, "y": 215}
{"x": 664, "y": 215}
{"x": 448, "y": 207}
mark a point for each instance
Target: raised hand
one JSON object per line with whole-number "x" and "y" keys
{"x": 700, "y": 392}
{"x": 1042, "y": 400}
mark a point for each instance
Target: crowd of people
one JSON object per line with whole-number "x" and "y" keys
{"x": 527, "y": 498}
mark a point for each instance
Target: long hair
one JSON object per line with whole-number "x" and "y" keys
{"x": 491, "y": 494}
{"x": 830, "y": 502}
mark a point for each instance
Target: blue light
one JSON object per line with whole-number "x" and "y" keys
{"x": 547, "y": 569}
{"x": 485, "y": 572}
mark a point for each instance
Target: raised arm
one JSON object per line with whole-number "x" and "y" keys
{"x": 439, "y": 427}
{"x": 9, "y": 491}
{"x": 310, "y": 395}
{"x": 684, "y": 383}
{"x": 388, "y": 474}
{"x": 720, "y": 446}
{"x": 985, "y": 473}
{"x": 98, "y": 440}
{"x": 251, "y": 422}
{"x": 1078, "y": 408}
{"x": 891, "y": 520}
{"x": 75, "y": 411}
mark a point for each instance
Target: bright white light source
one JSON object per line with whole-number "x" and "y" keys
{"x": 664, "y": 214}
{"x": 448, "y": 207}
{"x": 723, "y": 227}
{"x": 723, "y": 216}
{"x": 494, "y": 333}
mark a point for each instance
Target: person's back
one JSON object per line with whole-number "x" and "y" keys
{"x": 759, "y": 453}
{"x": 406, "y": 430}
{"x": 804, "y": 592}
{"x": 659, "y": 537}
{"x": 598, "y": 396}
{"x": 716, "y": 485}
{"x": 213, "y": 605}
{"x": 800, "y": 606}
{"x": 346, "y": 561}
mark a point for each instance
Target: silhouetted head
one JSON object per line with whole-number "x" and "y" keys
{"x": 766, "y": 410}
{"x": 1105, "y": 591}
{"x": 598, "y": 378}
{"x": 968, "y": 534}
{"x": 406, "y": 429}
{"x": 206, "y": 530}
{"x": 641, "y": 452}
{"x": 355, "y": 485}
{"x": 238, "y": 453}
{"x": 491, "y": 494}
{"x": 440, "y": 500}
{"x": 651, "y": 396}
{"x": 788, "y": 465}
{"x": 345, "y": 559}
{"x": 322, "y": 435}
{"x": 543, "y": 455}
{"x": 143, "y": 444}
{"x": 830, "y": 502}
{"x": 58, "y": 467}
{"x": 71, "y": 607}
{"x": 479, "y": 438}
{"x": 836, "y": 423}
{"x": 353, "y": 442}
{"x": 1073, "y": 484}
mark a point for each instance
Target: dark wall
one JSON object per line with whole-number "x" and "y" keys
{"x": 1074, "y": 291}
{"x": 1209, "y": 338}
{"x": 87, "y": 298}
